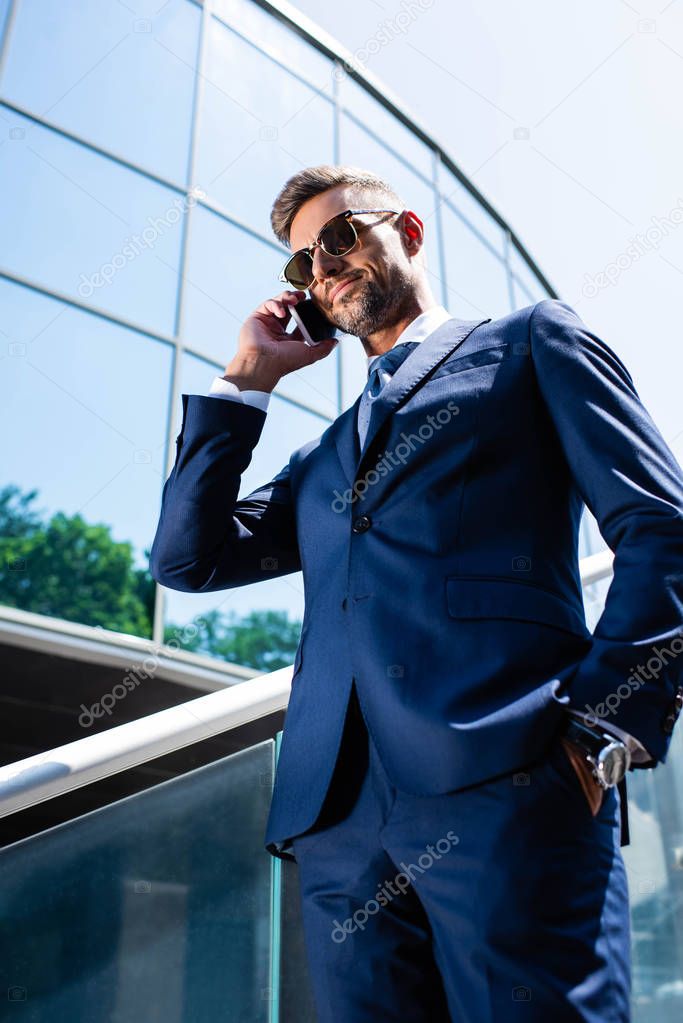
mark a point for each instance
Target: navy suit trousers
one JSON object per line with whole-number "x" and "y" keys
{"x": 504, "y": 901}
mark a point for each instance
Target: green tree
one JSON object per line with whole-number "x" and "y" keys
{"x": 70, "y": 569}
{"x": 265, "y": 640}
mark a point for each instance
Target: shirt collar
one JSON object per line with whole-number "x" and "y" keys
{"x": 418, "y": 329}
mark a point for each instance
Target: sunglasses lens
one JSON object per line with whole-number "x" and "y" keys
{"x": 299, "y": 271}
{"x": 338, "y": 237}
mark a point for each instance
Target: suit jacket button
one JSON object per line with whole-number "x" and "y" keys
{"x": 669, "y": 722}
{"x": 362, "y": 523}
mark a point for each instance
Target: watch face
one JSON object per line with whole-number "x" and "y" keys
{"x": 613, "y": 763}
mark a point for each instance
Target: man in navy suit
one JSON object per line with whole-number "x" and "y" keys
{"x": 447, "y": 776}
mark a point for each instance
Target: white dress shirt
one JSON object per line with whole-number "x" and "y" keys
{"x": 418, "y": 330}
{"x": 221, "y": 388}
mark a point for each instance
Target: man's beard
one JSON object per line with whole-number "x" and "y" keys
{"x": 370, "y": 308}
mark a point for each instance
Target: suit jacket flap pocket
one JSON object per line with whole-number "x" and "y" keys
{"x": 469, "y": 597}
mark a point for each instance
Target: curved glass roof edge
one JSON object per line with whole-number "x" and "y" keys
{"x": 318, "y": 38}
{"x": 268, "y": 51}
{"x": 387, "y": 145}
{"x": 327, "y": 44}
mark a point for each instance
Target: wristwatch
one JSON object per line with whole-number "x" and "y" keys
{"x": 608, "y": 756}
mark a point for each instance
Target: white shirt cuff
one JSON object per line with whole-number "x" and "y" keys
{"x": 221, "y": 388}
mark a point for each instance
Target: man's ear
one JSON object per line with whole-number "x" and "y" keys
{"x": 413, "y": 231}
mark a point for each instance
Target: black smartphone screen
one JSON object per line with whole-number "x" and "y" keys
{"x": 315, "y": 322}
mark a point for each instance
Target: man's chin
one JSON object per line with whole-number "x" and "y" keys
{"x": 338, "y": 318}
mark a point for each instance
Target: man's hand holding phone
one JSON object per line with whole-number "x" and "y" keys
{"x": 266, "y": 352}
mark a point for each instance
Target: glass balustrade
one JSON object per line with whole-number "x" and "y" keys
{"x": 162, "y": 907}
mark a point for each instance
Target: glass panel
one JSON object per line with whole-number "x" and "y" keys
{"x": 523, "y": 297}
{"x": 360, "y": 148}
{"x": 95, "y": 70}
{"x": 156, "y": 908}
{"x": 296, "y": 996}
{"x": 527, "y": 287}
{"x": 654, "y": 864}
{"x": 229, "y": 273}
{"x": 654, "y": 861}
{"x": 471, "y": 209}
{"x": 316, "y": 385}
{"x": 86, "y": 404}
{"x": 81, "y": 224}
{"x": 594, "y": 600}
{"x": 271, "y": 34}
{"x": 259, "y": 125}
{"x": 286, "y": 428}
{"x": 4, "y": 11}
{"x": 591, "y": 542}
{"x": 386, "y": 126}
{"x": 476, "y": 278}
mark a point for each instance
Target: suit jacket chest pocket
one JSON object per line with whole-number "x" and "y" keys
{"x": 473, "y": 361}
{"x": 449, "y": 398}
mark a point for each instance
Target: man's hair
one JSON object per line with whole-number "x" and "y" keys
{"x": 367, "y": 189}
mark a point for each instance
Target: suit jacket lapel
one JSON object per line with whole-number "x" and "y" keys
{"x": 409, "y": 376}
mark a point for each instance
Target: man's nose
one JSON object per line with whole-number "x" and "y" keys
{"x": 325, "y": 265}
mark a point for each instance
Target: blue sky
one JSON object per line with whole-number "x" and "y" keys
{"x": 596, "y": 86}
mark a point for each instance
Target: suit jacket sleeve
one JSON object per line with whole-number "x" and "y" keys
{"x": 633, "y": 485}
{"x": 206, "y": 539}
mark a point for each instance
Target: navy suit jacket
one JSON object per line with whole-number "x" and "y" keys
{"x": 440, "y": 565}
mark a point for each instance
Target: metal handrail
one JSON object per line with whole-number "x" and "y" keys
{"x": 58, "y": 771}
{"x": 46, "y": 775}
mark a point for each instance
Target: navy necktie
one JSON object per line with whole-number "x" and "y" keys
{"x": 386, "y": 364}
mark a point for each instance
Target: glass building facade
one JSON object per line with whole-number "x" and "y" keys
{"x": 141, "y": 148}
{"x": 141, "y": 155}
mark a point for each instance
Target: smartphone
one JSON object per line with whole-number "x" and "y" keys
{"x": 314, "y": 325}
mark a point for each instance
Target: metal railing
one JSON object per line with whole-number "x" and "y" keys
{"x": 56, "y": 772}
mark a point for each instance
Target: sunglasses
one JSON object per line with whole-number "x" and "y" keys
{"x": 336, "y": 237}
